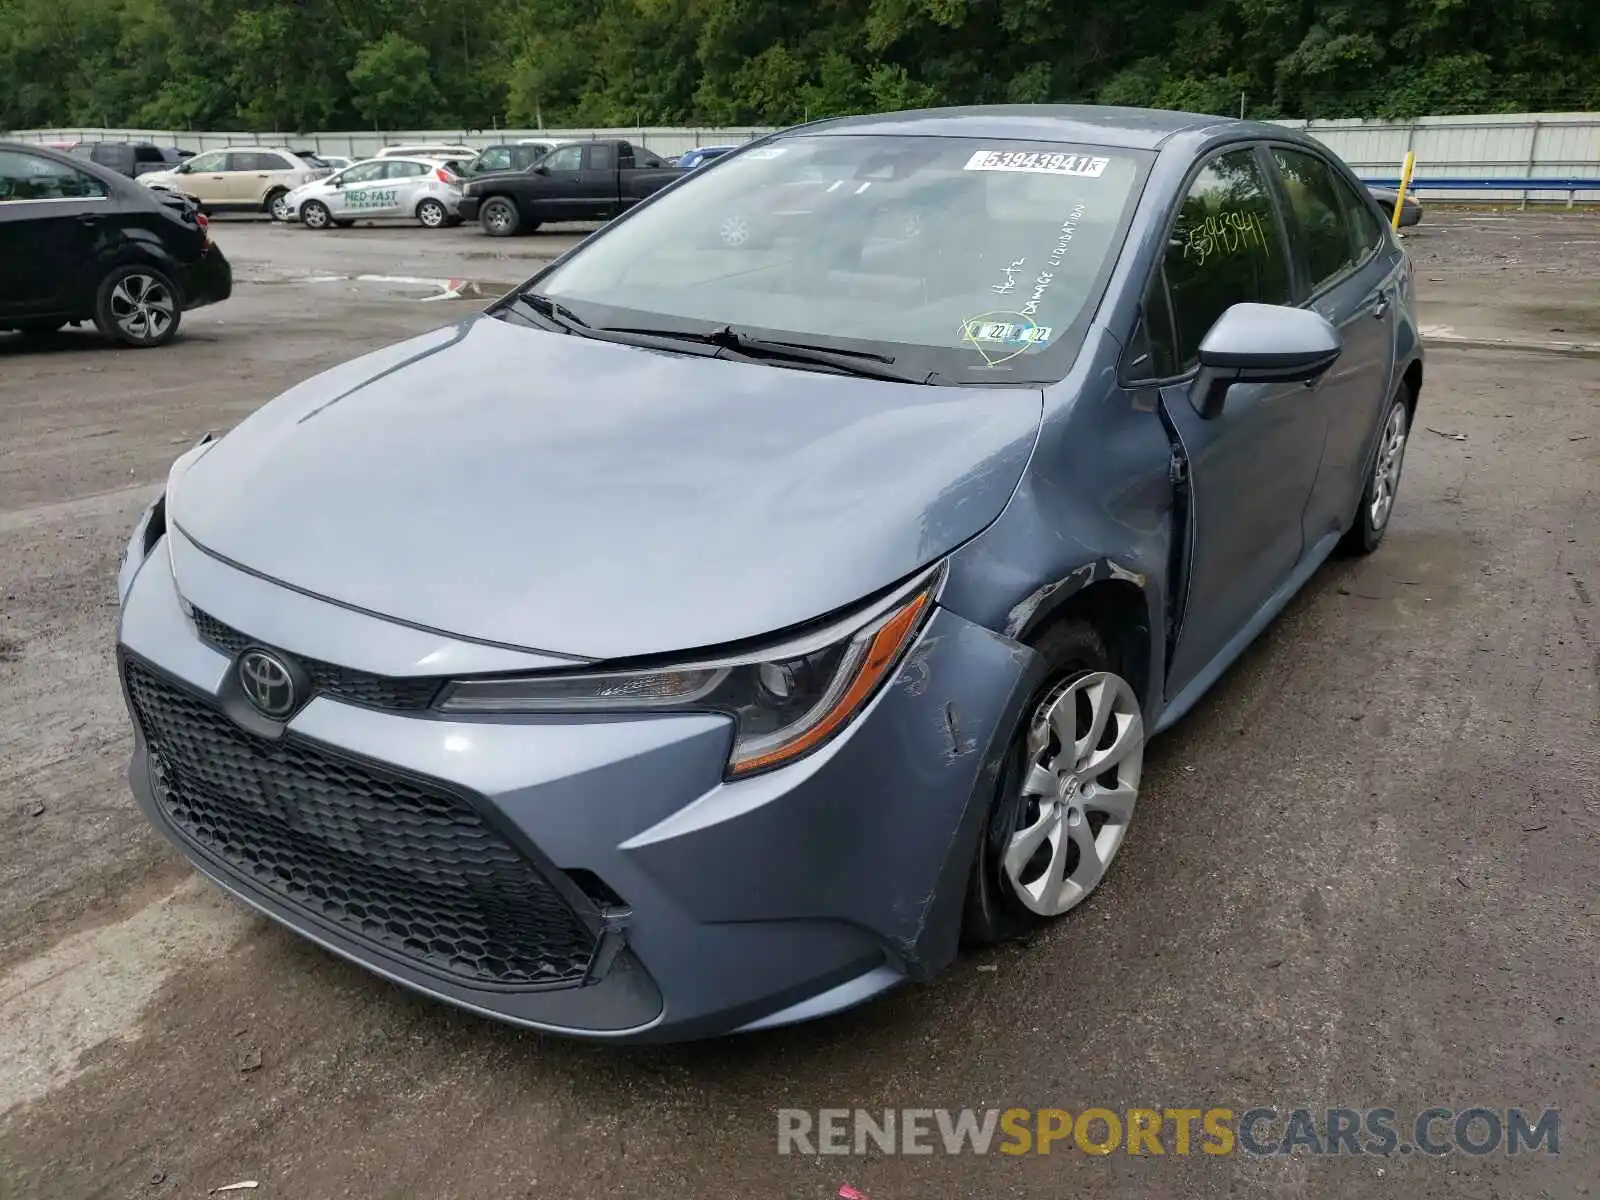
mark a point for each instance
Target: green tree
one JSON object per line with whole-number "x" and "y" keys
{"x": 390, "y": 85}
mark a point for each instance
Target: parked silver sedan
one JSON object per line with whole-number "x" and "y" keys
{"x": 418, "y": 189}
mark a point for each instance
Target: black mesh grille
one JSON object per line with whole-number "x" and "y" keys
{"x": 357, "y": 687}
{"x": 394, "y": 862}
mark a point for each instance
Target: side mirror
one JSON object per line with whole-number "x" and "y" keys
{"x": 1261, "y": 343}
{"x": 182, "y": 168}
{"x": 540, "y": 169}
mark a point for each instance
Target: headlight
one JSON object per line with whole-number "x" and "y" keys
{"x": 785, "y": 703}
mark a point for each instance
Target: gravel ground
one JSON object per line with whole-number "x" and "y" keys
{"x": 1363, "y": 872}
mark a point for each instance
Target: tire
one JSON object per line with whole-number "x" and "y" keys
{"x": 499, "y": 217}
{"x": 1042, "y": 790}
{"x": 1376, "y": 509}
{"x": 276, "y": 205}
{"x": 138, "y": 306}
{"x": 431, "y": 214}
{"x": 314, "y": 214}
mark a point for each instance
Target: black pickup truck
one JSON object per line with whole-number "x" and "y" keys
{"x": 581, "y": 181}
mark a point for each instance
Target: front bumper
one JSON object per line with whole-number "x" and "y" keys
{"x": 713, "y": 906}
{"x": 468, "y": 207}
{"x": 208, "y": 280}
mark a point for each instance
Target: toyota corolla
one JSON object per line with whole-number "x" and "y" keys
{"x": 713, "y": 636}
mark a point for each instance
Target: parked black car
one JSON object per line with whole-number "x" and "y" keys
{"x": 80, "y": 242}
{"x": 581, "y": 181}
{"x": 130, "y": 158}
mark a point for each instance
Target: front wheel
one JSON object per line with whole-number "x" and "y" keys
{"x": 137, "y": 306}
{"x": 1383, "y": 481}
{"x": 431, "y": 214}
{"x": 1066, "y": 793}
{"x": 499, "y": 217}
{"x": 314, "y": 214}
{"x": 277, "y": 205}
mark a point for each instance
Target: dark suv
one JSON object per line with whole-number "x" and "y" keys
{"x": 80, "y": 242}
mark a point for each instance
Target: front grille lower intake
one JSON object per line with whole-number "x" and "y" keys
{"x": 400, "y": 864}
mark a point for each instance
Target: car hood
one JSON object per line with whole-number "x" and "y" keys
{"x": 577, "y": 497}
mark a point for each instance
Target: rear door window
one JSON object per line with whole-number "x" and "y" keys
{"x": 1318, "y": 215}
{"x": 404, "y": 170}
{"x": 602, "y": 157}
{"x": 1226, "y": 247}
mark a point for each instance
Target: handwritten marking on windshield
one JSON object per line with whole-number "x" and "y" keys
{"x": 1010, "y": 280}
{"x": 1064, "y": 238}
{"x": 1041, "y": 285}
{"x": 1228, "y": 232}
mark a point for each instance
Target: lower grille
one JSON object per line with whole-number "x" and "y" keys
{"x": 393, "y": 862}
{"x": 346, "y": 683}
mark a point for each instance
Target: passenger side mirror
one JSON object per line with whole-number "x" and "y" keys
{"x": 540, "y": 169}
{"x": 1261, "y": 343}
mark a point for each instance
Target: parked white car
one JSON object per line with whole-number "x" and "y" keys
{"x": 416, "y": 189}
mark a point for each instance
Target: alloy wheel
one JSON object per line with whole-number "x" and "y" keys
{"x": 1386, "y": 470}
{"x": 280, "y": 207}
{"x": 1079, "y": 785}
{"x": 431, "y": 213}
{"x": 142, "y": 306}
{"x": 314, "y": 215}
{"x": 498, "y": 218}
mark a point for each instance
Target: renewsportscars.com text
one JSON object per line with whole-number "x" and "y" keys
{"x": 1260, "y": 1132}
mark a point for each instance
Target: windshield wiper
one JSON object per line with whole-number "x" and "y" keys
{"x": 867, "y": 363}
{"x": 554, "y": 312}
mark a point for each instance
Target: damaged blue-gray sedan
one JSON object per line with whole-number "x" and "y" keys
{"x": 780, "y": 588}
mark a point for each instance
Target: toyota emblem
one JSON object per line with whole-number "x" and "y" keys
{"x": 267, "y": 683}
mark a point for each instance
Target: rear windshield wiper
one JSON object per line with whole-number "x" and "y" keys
{"x": 867, "y": 363}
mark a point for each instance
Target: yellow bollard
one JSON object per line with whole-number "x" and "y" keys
{"x": 1405, "y": 182}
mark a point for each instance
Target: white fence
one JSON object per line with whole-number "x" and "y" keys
{"x": 1513, "y": 147}
{"x": 663, "y": 140}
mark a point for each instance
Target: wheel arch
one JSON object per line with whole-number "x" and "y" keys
{"x": 1116, "y": 603}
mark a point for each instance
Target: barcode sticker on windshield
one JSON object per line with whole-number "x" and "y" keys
{"x": 1085, "y": 165}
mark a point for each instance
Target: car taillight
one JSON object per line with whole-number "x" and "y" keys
{"x": 444, "y": 176}
{"x": 204, "y": 222}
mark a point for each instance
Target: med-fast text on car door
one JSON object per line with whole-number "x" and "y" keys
{"x": 1350, "y": 268}
{"x": 358, "y": 190}
{"x": 1251, "y": 467}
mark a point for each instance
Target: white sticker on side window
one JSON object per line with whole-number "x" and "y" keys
{"x": 1033, "y": 162}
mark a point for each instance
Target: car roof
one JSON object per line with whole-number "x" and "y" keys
{"x": 1132, "y": 128}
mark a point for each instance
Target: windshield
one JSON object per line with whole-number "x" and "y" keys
{"x": 980, "y": 261}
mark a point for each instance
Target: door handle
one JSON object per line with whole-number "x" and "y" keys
{"x": 88, "y": 218}
{"x": 1381, "y": 308}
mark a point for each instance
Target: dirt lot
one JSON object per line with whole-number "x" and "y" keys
{"x": 1363, "y": 874}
